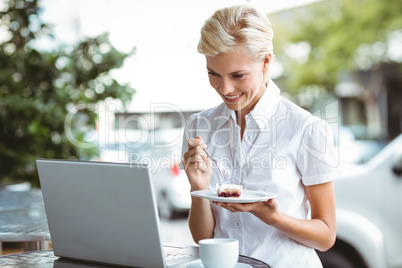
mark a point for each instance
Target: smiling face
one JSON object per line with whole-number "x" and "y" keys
{"x": 238, "y": 79}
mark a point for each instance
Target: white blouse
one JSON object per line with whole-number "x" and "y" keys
{"x": 284, "y": 148}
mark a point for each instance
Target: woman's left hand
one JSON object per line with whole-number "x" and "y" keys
{"x": 267, "y": 209}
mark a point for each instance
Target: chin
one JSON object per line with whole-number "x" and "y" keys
{"x": 234, "y": 107}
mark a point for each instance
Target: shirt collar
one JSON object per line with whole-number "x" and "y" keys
{"x": 225, "y": 115}
{"x": 262, "y": 111}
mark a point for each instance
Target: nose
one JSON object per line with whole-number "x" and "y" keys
{"x": 226, "y": 86}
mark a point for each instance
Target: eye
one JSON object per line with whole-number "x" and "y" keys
{"x": 212, "y": 73}
{"x": 238, "y": 75}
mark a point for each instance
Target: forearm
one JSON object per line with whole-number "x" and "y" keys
{"x": 314, "y": 233}
{"x": 201, "y": 220}
{"x": 199, "y": 170}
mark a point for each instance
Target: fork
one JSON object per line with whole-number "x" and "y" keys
{"x": 220, "y": 167}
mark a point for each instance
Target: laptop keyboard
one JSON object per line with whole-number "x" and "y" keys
{"x": 170, "y": 256}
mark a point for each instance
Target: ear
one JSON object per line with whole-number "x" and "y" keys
{"x": 267, "y": 61}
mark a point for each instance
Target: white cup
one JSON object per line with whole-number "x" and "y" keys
{"x": 219, "y": 252}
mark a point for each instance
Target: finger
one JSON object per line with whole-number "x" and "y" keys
{"x": 191, "y": 158}
{"x": 192, "y": 143}
{"x": 196, "y": 151}
{"x": 245, "y": 207}
{"x": 199, "y": 138}
{"x": 271, "y": 203}
{"x": 191, "y": 168}
{"x": 196, "y": 159}
{"x": 196, "y": 162}
{"x": 240, "y": 206}
{"x": 227, "y": 206}
{"x": 200, "y": 151}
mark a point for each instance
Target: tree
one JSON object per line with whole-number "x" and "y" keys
{"x": 39, "y": 88}
{"x": 333, "y": 36}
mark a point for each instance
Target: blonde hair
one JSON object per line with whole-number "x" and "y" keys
{"x": 235, "y": 26}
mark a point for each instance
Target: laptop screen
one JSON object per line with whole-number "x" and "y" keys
{"x": 102, "y": 212}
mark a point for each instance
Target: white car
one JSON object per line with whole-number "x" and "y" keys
{"x": 369, "y": 213}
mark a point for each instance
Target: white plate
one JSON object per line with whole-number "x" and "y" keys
{"x": 198, "y": 264}
{"x": 247, "y": 196}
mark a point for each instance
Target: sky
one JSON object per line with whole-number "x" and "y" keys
{"x": 166, "y": 67}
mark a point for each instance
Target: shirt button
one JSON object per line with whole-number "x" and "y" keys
{"x": 238, "y": 224}
{"x": 237, "y": 164}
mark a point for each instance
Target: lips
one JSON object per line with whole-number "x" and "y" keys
{"x": 233, "y": 98}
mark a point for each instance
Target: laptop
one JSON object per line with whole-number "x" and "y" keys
{"x": 106, "y": 213}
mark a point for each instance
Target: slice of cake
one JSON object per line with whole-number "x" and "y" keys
{"x": 230, "y": 190}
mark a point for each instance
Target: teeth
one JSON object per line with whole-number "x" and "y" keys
{"x": 232, "y": 97}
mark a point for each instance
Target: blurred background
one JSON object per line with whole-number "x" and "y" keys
{"x": 75, "y": 74}
{"x": 116, "y": 80}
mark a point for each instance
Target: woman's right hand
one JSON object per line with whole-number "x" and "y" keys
{"x": 197, "y": 165}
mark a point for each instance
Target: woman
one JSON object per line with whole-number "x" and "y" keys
{"x": 266, "y": 143}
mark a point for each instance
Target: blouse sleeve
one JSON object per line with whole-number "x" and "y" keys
{"x": 317, "y": 158}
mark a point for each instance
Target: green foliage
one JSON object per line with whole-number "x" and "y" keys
{"x": 338, "y": 35}
{"x": 39, "y": 88}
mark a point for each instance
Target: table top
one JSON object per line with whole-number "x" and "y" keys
{"x": 46, "y": 259}
{"x": 23, "y": 216}
{"x": 10, "y": 200}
